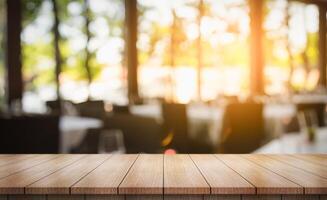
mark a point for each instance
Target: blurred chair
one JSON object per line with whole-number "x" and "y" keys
{"x": 231, "y": 98}
{"x": 120, "y": 109}
{"x": 111, "y": 141}
{"x": 54, "y": 106}
{"x": 94, "y": 109}
{"x": 243, "y": 128}
{"x": 30, "y": 134}
{"x": 141, "y": 134}
{"x": 175, "y": 127}
{"x": 89, "y": 143}
{"x": 318, "y": 108}
{"x": 100, "y": 141}
{"x": 64, "y": 107}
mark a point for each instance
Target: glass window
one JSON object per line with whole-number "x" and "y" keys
{"x": 291, "y": 39}
{"x": 226, "y": 29}
{"x": 37, "y": 54}
{"x": 107, "y": 46}
{"x": 177, "y": 37}
{"x": 105, "y": 49}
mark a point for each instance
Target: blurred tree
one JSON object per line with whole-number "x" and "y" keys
{"x": 57, "y": 52}
{"x": 88, "y": 38}
{"x": 30, "y": 10}
{"x": 288, "y": 45}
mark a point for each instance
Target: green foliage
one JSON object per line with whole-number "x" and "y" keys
{"x": 30, "y": 10}
{"x": 38, "y": 66}
{"x": 312, "y": 49}
{"x": 184, "y": 51}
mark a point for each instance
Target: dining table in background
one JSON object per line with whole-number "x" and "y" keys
{"x": 73, "y": 129}
{"x": 211, "y": 117}
{"x": 296, "y": 143}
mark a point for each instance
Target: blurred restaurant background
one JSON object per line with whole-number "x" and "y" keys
{"x": 174, "y": 76}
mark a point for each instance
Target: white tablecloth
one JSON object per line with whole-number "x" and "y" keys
{"x": 295, "y": 143}
{"x": 73, "y": 129}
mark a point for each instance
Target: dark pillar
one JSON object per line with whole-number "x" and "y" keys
{"x": 13, "y": 52}
{"x": 256, "y": 47}
{"x": 322, "y": 45}
{"x": 131, "y": 51}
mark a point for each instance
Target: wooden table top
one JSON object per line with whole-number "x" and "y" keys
{"x": 163, "y": 174}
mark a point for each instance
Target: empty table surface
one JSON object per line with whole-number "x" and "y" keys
{"x": 206, "y": 176}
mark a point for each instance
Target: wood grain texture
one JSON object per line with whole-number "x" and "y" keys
{"x": 318, "y": 159}
{"x": 27, "y": 197}
{"x": 104, "y": 197}
{"x": 144, "y": 197}
{"x": 8, "y": 159}
{"x": 305, "y": 165}
{"x": 65, "y": 197}
{"x": 24, "y": 164}
{"x": 266, "y": 181}
{"x": 261, "y": 197}
{"x": 107, "y": 177}
{"x": 133, "y": 177}
{"x": 16, "y": 183}
{"x": 300, "y": 197}
{"x": 323, "y": 197}
{"x": 61, "y": 181}
{"x": 312, "y": 184}
{"x": 222, "y": 197}
{"x": 222, "y": 179}
{"x": 183, "y": 197}
{"x": 145, "y": 176}
{"x": 181, "y": 176}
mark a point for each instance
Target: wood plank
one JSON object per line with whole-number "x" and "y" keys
{"x": 323, "y": 197}
{"x": 302, "y": 164}
{"x": 65, "y": 197}
{"x": 261, "y": 197}
{"x": 321, "y": 160}
{"x": 312, "y": 184}
{"x": 9, "y": 159}
{"x": 16, "y": 183}
{"x": 104, "y": 197}
{"x": 222, "y": 179}
{"x": 222, "y": 197}
{"x": 144, "y": 197}
{"x": 27, "y": 197}
{"x": 145, "y": 176}
{"x": 20, "y": 165}
{"x": 183, "y": 197}
{"x": 264, "y": 180}
{"x": 181, "y": 176}
{"x": 61, "y": 181}
{"x": 107, "y": 177}
{"x": 300, "y": 197}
